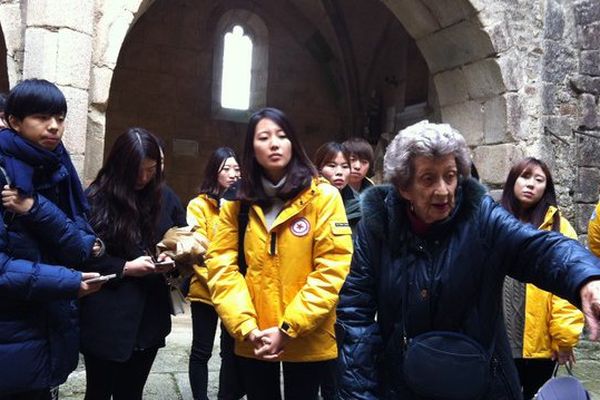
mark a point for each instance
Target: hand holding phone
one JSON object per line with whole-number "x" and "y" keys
{"x": 164, "y": 266}
{"x": 101, "y": 278}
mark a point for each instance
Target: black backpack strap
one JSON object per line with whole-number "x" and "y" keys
{"x": 242, "y": 224}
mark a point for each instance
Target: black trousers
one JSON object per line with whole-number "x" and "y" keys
{"x": 301, "y": 380}
{"x": 329, "y": 381}
{"x": 44, "y": 394}
{"x": 533, "y": 373}
{"x": 204, "y": 326}
{"x": 231, "y": 383}
{"x": 121, "y": 380}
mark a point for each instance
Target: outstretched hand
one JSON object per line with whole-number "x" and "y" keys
{"x": 590, "y": 304}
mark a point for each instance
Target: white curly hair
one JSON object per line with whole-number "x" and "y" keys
{"x": 423, "y": 139}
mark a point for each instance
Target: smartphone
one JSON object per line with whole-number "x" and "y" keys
{"x": 164, "y": 264}
{"x": 101, "y": 278}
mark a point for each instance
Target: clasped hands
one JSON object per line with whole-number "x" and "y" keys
{"x": 269, "y": 343}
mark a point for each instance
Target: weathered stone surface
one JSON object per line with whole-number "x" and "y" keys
{"x": 494, "y": 161}
{"x": 511, "y": 68}
{"x": 76, "y": 121}
{"x": 589, "y": 35}
{"x": 586, "y": 84}
{"x": 589, "y": 62}
{"x": 582, "y": 216}
{"x": 468, "y": 119}
{"x": 447, "y": 48}
{"x": 554, "y": 20}
{"x": 548, "y": 97}
{"x": 588, "y": 185}
{"x": 100, "y": 81}
{"x": 588, "y": 151}
{"x": 449, "y": 12}
{"x": 558, "y": 61}
{"x": 73, "y": 70}
{"x": 41, "y": 50}
{"x": 589, "y": 111}
{"x": 561, "y": 126}
{"x": 500, "y": 36}
{"x": 516, "y": 124}
{"x": 415, "y": 17}
{"x": 495, "y": 121}
{"x": 74, "y": 14}
{"x": 484, "y": 79}
{"x": 451, "y": 87}
{"x": 586, "y": 12}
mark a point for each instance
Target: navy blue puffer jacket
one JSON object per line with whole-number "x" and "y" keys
{"x": 39, "y": 337}
{"x": 455, "y": 278}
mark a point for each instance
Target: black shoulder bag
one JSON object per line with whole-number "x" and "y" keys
{"x": 242, "y": 224}
{"x": 444, "y": 365}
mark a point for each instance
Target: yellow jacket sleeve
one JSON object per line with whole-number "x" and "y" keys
{"x": 566, "y": 321}
{"x": 332, "y": 253}
{"x": 229, "y": 292}
{"x": 594, "y": 232}
{"x": 196, "y": 217}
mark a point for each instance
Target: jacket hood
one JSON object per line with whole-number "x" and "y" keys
{"x": 386, "y": 209}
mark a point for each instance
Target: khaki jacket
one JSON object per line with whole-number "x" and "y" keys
{"x": 203, "y": 214}
{"x": 550, "y": 321}
{"x": 295, "y": 272}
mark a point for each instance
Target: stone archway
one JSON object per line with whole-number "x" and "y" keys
{"x": 114, "y": 19}
{"x": 475, "y": 74}
{"x": 467, "y": 48}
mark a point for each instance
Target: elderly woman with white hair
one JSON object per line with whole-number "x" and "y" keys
{"x": 420, "y": 314}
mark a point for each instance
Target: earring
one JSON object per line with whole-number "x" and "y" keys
{"x": 411, "y": 207}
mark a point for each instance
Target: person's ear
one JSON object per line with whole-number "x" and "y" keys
{"x": 14, "y": 123}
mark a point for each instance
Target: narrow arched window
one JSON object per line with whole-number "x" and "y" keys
{"x": 237, "y": 70}
{"x": 240, "y": 65}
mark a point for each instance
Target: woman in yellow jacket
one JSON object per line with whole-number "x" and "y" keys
{"x": 221, "y": 171}
{"x": 542, "y": 327}
{"x": 594, "y": 231}
{"x": 297, "y": 248}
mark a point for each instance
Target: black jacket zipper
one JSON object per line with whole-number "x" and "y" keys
{"x": 273, "y": 243}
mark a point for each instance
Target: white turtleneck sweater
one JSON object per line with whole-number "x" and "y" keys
{"x": 271, "y": 190}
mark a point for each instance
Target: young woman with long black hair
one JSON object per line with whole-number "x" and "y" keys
{"x": 222, "y": 170}
{"x": 297, "y": 247}
{"x": 123, "y": 327}
{"x": 542, "y": 327}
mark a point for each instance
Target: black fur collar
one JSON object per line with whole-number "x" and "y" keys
{"x": 387, "y": 217}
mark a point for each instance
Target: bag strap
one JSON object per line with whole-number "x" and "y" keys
{"x": 243, "y": 217}
{"x": 567, "y": 367}
{"x": 404, "y": 298}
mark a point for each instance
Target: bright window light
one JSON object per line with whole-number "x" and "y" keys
{"x": 237, "y": 70}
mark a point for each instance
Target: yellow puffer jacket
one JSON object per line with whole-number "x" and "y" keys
{"x": 295, "y": 272}
{"x": 594, "y": 232}
{"x": 203, "y": 213}
{"x": 550, "y": 321}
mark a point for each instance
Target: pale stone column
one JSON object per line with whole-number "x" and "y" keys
{"x": 58, "y": 47}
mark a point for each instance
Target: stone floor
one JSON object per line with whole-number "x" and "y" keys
{"x": 169, "y": 380}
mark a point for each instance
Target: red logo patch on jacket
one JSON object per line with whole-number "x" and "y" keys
{"x": 300, "y": 227}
